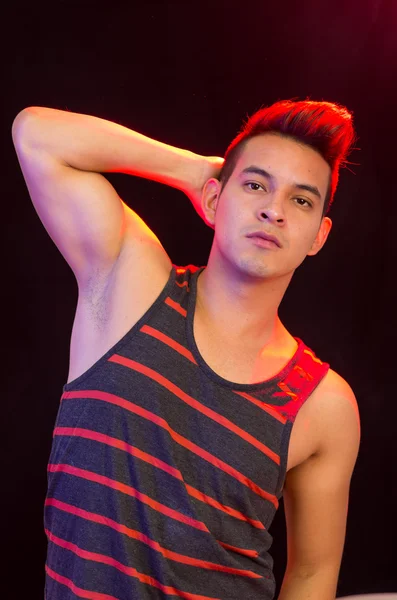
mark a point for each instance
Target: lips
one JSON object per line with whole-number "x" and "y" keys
{"x": 265, "y": 236}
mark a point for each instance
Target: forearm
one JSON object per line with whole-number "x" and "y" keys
{"x": 320, "y": 585}
{"x": 89, "y": 143}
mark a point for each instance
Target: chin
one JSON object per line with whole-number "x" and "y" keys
{"x": 256, "y": 269}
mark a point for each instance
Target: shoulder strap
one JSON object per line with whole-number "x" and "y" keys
{"x": 300, "y": 381}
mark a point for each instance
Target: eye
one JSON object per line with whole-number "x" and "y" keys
{"x": 303, "y": 202}
{"x": 255, "y": 186}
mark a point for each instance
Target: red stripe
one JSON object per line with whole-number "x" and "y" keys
{"x": 286, "y": 391}
{"x": 105, "y": 439}
{"x": 108, "y": 560}
{"x": 169, "y": 341}
{"x": 132, "y": 533}
{"x": 243, "y": 551}
{"x": 130, "y": 491}
{"x": 134, "y": 408}
{"x": 132, "y": 364}
{"x": 184, "y": 283}
{"x": 176, "y": 306}
{"x": 91, "y": 595}
{"x": 121, "y": 445}
{"x": 266, "y": 407}
{"x": 227, "y": 509}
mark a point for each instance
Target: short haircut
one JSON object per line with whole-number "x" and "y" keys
{"x": 326, "y": 127}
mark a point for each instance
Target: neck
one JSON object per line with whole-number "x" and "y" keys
{"x": 241, "y": 305}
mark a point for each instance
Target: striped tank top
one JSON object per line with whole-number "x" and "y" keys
{"x": 164, "y": 478}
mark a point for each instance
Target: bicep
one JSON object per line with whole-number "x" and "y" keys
{"x": 81, "y": 212}
{"x": 316, "y": 493}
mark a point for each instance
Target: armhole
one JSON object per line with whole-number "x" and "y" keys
{"x": 286, "y": 434}
{"x": 126, "y": 337}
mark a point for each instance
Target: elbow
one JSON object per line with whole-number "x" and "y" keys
{"x": 27, "y": 126}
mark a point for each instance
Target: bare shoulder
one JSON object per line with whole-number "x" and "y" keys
{"x": 316, "y": 491}
{"x": 334, "y": 409}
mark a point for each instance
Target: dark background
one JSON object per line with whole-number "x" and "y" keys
{"x": 188, "y": 74}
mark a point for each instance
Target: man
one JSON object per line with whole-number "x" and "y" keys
{"x": 189, "y": 408}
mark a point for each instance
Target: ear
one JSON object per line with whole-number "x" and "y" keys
{"x": 321, "y": 237}
{"x": 209, "y": 200}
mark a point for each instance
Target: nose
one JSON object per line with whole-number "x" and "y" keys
{"x": 272, "y": 210}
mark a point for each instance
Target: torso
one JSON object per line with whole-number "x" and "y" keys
{"x": 241, "y": 367}
{"x": 105, "y": 313}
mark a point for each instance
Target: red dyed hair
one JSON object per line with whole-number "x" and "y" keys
{"x": 324, "y": 126}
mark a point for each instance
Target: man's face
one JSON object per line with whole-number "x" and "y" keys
{"x": 278, "y": 187}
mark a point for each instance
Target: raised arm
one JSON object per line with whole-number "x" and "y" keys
{"x": 62, "y": 156}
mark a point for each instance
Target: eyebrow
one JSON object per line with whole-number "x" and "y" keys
{"x": 301, "y": 186}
